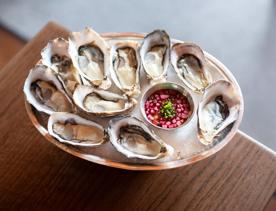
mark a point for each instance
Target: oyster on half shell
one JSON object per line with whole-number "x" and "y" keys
{"x": 90, "y": 55}
{"x": 155, "y": 55}
{"x": 102, "y": 102}
{"x": 71, "y": 129}
{"x": 125, "y": 65}
{"x": 218, "y": 111}
{"x": 55, "y": 55}
{"x": 189, "y": 63}
{"x": 44, "y": 91}
{"x": 131, "y": 137}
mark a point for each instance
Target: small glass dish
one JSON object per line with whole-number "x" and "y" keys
{"x": 167, "y": 85}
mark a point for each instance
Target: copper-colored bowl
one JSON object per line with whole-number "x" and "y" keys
{"x": 107, "y": 155}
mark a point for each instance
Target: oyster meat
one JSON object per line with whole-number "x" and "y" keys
{"x": 125, "y": 67}
{"x": 189, "y": 63}
{"x": 72, "y": 129}
{"x": 55, "y": 55}
{"x": 155, "y": 54}
{"x": 218, "y": 111}
{"x": 102, "y": 102}
{"x": 89, "y": 53}
{"x": 44, "y": 91}
{"x": 131, "y": 137}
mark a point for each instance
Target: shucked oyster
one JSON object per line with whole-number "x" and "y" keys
{"x": 218, "y": 111}
{"x": 89, "y": 53}
{"x": 101, "y": 102}
{"x": 189, "y": 63}
{"x": 55, "y": 55}
{"x": 44, "y": 91}
{"x": 125, "y": 67}
{"x": 72, "y": 129}
{"x": 134, "y": 139}
{"x": 155, "y": 54}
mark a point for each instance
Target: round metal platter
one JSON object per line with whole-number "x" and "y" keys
{"x": 188, "y": 148}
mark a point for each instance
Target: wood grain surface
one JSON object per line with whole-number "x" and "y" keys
{"x": 9, "y": 45}
{"x": 35, "y": 175}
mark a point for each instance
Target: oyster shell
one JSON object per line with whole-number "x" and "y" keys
{"x": 102, "y": 102}
{"x": 155, "y": 54}
{"x": 125, "y": 67}
{"x": 55, "y": 55}
{"x": 131, "y": 137}
{"x": 71, "y": 129}
{"x": 189, "y": 63}
{"x": 218, "y": 111}
{"x": 89, "y": 53}
{"x": 44, "y": 91}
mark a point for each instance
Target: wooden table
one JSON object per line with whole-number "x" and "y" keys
{"x": 35, "y": 175}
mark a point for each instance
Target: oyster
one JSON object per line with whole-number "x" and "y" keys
{"x": 125, "y": 67}
{"x": 55, "y": 56}
{"x": 72, "y": 129}
{"x": 89, "y": 53}
{"x": 189, "y": 63}
{"x": 218, "y": 111}
{"x": 155, "y": 54}
{"x": 101, "y": 102}
{"x": 131, "y": 137}
{"x": 44, "y": 91}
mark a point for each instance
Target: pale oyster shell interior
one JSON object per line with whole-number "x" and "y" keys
{"x": 155, "y": 55}
{"x": 89, "y": 53}
{"x": 217, "y": 112}
{"x": 44, "y": 91}
{"x": 55, "y": 55}
{"x": 125, "y": 66}
{"x": 102, "y": 102}
{"x": 72, "y": 129}
{"x": 189, "y": 63}
{"x": 134, "y": 139}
